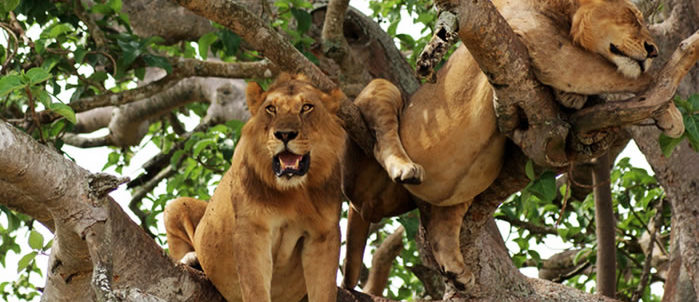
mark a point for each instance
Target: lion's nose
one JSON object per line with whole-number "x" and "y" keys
{"x": 651, "y": 50}
{"x": 285, "y": 136}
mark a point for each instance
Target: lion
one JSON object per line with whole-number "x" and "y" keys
{"x": 444, "y": 147}
{"x": 271, "y": 230}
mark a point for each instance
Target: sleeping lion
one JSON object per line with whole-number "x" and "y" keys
{"x": 271, "y": 230}
{"x": 446, "y": 138}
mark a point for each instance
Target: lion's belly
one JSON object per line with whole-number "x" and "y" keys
{"x": 450, "y": 129}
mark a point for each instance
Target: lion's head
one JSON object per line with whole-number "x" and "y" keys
{"x": 296, "y": 138}
{"x": 615, "y": 30}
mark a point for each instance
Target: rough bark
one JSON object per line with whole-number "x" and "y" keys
{"x": 677, "y": 175}
{"x": 63, "y": 190}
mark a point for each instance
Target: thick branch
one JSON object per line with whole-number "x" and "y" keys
{"x": 62, "y": 187}
{"x": 513, "y": 79}
{"x": 271, "y": 44}
{"x": 605, "y": 225}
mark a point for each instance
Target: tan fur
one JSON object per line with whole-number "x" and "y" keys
{"x": 449, "y": 127}
{"x": 263, "y": 237}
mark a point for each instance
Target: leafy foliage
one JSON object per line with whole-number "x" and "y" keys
{"x": 636, "y": 195}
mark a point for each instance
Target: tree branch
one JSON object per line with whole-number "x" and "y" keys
{"x": 510, "y": 73}
{"x": 605, "y": 224}
{"x": 39, "y": 173}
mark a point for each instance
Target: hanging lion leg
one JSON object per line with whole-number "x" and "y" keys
{"x": 181, "y": 217}
{"x": 357, "y": 233}
{"x": 380, "y": 102}
{"x": 443, "y": 231}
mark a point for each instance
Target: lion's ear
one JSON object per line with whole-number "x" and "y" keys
{"x": 333, "y": 100}
{"x": 253, "y": 95}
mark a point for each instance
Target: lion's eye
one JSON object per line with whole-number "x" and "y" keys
{"x": 271, "y": 109}
{"x": 306, "y": 108}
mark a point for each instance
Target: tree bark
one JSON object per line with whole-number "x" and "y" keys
{"x": 605, "y": 226}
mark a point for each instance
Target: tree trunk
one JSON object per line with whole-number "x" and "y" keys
{"x": 605, "y": 227}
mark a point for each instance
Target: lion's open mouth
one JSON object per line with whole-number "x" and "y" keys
{"x": 290, "y": 164}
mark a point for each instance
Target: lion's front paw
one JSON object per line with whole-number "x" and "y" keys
{"x": 570, "y": 99}
{"x": 405, "y": 172}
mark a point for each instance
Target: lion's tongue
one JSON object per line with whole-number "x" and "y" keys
{"x": 289, "y": 160}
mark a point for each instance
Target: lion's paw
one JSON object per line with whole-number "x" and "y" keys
{"x": 461, "y": 281}
{"x": 190, "y": 259}
{"x": 570, "y": 99}
{"x": 405, "y": 172}
{"x": 671, "y": 122}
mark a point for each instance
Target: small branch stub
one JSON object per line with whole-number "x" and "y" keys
{"x": 100, "y": 184}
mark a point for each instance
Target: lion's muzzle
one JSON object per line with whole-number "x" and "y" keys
{"x": 290, "y": 164}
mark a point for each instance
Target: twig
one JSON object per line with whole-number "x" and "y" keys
{"x": 12, "y": 53}
{"x": 87, "y": 142}
{"x": 92, "y": 27}
{"x": 139, "y": 194}
{"x": 656, "y": 224}
{"x": 35, "y": 117}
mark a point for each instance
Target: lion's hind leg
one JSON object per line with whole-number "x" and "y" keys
{"x": 181, "y": 217}
{"x": 380, "y": 102}
{"x": 443, "y": 231}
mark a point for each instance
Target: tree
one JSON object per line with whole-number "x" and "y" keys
{"x": 98, "y": 252}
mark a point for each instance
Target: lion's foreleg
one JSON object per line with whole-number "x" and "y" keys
{"x": 357, "y": 233}
{"x": 181, "y": 217}
{"x": 380, "y": 102}
{"x": 252, "y": 250}
{"x": 443, "y": 231}
{"x": 320, "y": 259}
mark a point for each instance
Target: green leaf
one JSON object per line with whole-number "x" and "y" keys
{"x": 529, "y": 170}
{"x": 668, "y": 144}
{"x": 158, "y": 61}
{"x": 24, "y": 262}
{"x": 694, "y": 100}
{"x": 407, "y": 41}
{"x": 44, "y": 98}
{"x": 303, "y": 19}
{"x": 64, "y": 110}
{"x": 115, "y": 5}
{"x": 205, "y": 42}
{"x": 411, "y": 223}
{"x": 200, "y": 145}
{"x": 692, "y": 129}
{"x": 230, "y": 41}
{"x": 79, "y": 54}
{"x": 9, "y": 83}
{"x": 57, "y": 30}
{"x": 36, "y": 240}
{"x": 545, "y": 187}
{"x": 37, "y": 75}
{"x": 7, "y": 6}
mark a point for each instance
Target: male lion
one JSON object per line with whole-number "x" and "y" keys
{"x": 447, "y": 133}
{"x": 270, "y": 232}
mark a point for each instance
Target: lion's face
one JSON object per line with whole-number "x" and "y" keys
{"x": 298, "y": 139}
{"x": 615, "y": 30}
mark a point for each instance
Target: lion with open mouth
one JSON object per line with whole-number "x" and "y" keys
{"x": 271, "y": 230}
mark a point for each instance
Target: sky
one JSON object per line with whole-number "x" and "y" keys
{"x": 95, "y": 158}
